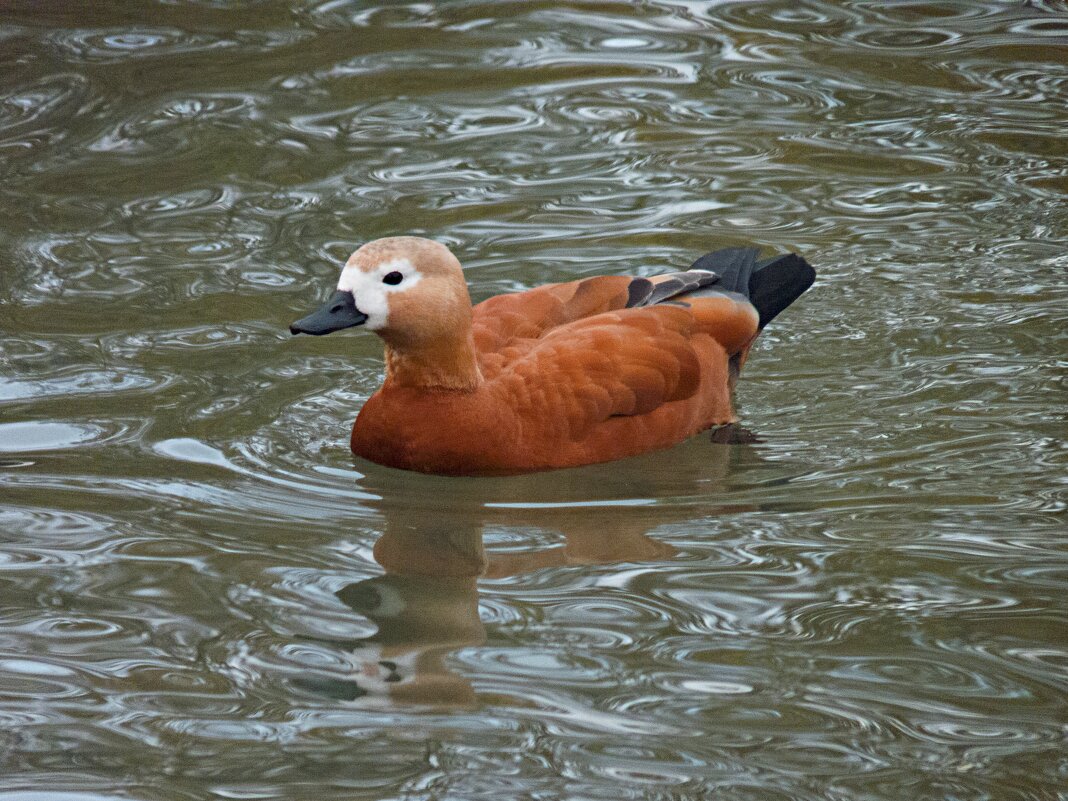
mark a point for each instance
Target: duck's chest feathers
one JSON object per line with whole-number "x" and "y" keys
{"x": 431, "y": 431}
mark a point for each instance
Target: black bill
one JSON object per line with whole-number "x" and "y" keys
{"x": 338, "y": 313}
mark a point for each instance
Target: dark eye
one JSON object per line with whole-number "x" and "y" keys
{"x": 393, "y": 278}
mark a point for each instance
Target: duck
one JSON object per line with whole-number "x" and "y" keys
{"x": 557, "y": 376}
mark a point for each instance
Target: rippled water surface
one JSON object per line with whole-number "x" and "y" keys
{"x": 205, "y": 597}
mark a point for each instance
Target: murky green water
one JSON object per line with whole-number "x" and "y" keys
{"x": 205, "y": 597}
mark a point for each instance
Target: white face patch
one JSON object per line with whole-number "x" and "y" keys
{"x": 372, "y": 292}
{"x": 378, "y": 673}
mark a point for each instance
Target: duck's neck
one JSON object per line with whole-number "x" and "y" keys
{"x": 448, "y": 364}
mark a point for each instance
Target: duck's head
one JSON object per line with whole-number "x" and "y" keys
{"x": 406, "y": 289}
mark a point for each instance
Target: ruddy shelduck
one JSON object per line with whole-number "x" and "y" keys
{"x": 557, "y": 376}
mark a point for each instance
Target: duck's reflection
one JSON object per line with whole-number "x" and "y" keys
{"x": 432, "y": 550}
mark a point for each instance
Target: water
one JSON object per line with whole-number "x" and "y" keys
{"x": 205, "y": 596}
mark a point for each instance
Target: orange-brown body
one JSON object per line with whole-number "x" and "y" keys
{"x": 569, "y": 377}
{"x": 558, "y": 376}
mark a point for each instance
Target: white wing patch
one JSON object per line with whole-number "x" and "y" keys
{"x": 371, "y": 294}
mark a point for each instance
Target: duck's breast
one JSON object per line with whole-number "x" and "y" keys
{"x": 450, "y": 433}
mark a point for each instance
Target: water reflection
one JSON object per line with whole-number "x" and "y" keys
{"x": 433, "y": 551}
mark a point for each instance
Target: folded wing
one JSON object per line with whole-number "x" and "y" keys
{"x": 622, "y": 363}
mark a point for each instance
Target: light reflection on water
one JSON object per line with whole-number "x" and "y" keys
{"x": 204, "y": 596}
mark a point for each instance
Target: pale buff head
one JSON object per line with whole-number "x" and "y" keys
{"x": 407, "y": 289}
{"x": 410, "y": 288}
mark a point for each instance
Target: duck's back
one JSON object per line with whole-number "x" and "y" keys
{"x": 506, "y": 327}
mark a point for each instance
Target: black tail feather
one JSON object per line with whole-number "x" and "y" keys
{"x": 776, "y": 284}
{"x": 770, "y": 285}
{"x": 732, "y": 265}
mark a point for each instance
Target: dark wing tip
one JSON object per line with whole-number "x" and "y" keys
{"x": 638, "y": 292}
{"x": 681, "y": 284}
